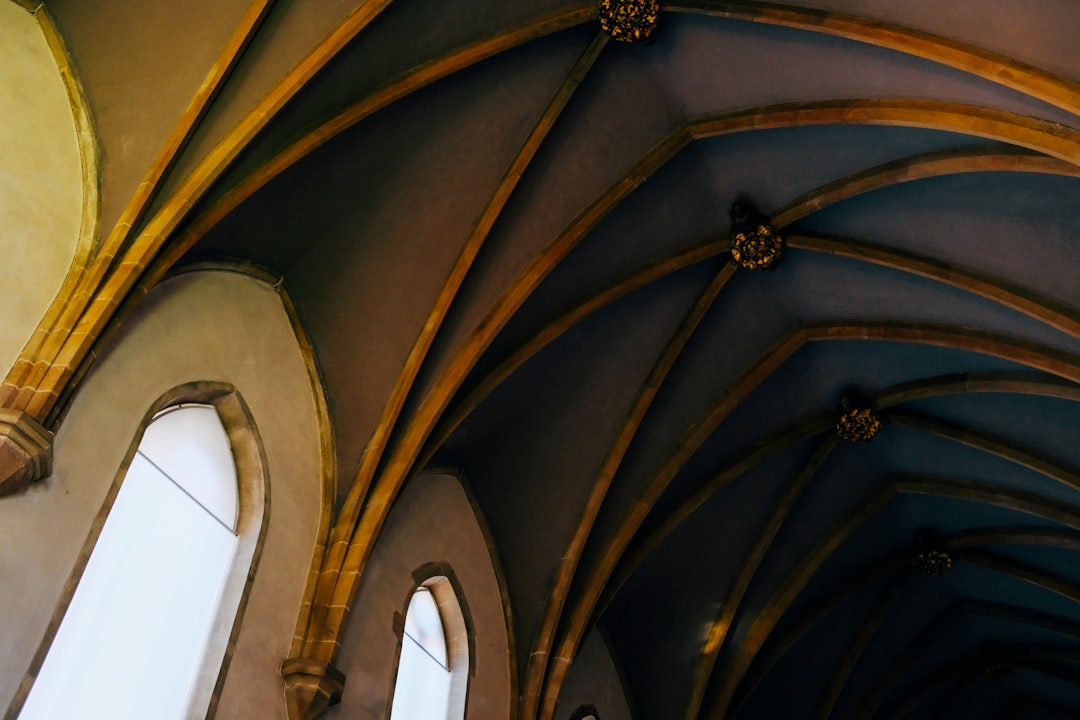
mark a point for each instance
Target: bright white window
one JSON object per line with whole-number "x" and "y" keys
{"x": 133, "y": 639}
{"x": 422, "y": 689}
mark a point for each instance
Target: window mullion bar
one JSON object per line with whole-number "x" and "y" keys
{"x": 419, "y": 645}
{"x": 195, "y": 500}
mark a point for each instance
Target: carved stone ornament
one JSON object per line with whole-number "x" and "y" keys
{"x": 858, "y": 421}
{"x": 755, "y": 244}
{"x": 311, "y": 687}
{"x": 932, "y": 562}
{"x": 25, "y": 451}
{"x": 629, "y": 20}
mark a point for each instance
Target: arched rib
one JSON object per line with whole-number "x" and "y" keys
{"x": 72, "y": 348}
{"x": 1037, "y": 576}
{"x": 998, "y": 290}
{"x": 403, "y": 457}
{"x": 980, "y": 382}
{"x": 1019, "y": 501}
{"x": 1005, "y": 158}
{"x": 765, "y": 621}
{"x": 372, "y": 454}
{"x": 959, "y": 544}
{"x": 328, "y": 453}
{"x": 1011, "y": 613}
{"x": 758, "y": 452}
{"x": 1008, "y": 127}
{"x": 539, "y": 658}
{"x": 583, "y": 610}
{"x": 767, "y": 618}
{"x": 1065, "y": 538}
{"x": 1021, "y": 383}
{"x": 394, "y": 90}
{"x": 112, "y": 278}
{"x": 1000, "y": 69}
{"x": 1016, "y": 350}
{"x": 1042, "y": 136}
{"x": 621, "y": 287}
{"x": 1019, "y": 656}
{"x": 185, "y": 128}
{"x": 721, "y": 627}
{"x": 851, "y": 587}
{"x": 1065, "y": 587}
{"x": 1027, "y": 79}
{"x": 926, "y": 113}
{"x": 1026, "y": 616}
{"x": 1028, "y": 503}
{"x": 979, "y": 158}
{"x": 85, "y": 277}
{"x": 87, "y": 244}
{"x": 991, "y": 444}
{"x": 859, "y": 644}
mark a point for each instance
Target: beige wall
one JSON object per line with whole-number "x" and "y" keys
{"x": 432, "y": 522}
{"x": 41, "y": 187}
{"x": 209, "y": 326}
{"x": 230, "y": 328}
{"x": 594, "y": 680}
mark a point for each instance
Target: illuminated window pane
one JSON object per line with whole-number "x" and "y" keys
{"x": 189, "y": 445}
{"x": 133, "y": 638}
{"x": 422, "y": 689}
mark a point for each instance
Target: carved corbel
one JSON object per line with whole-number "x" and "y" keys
{"x": 311, "y": 687}
{"x": 25, "y": 451}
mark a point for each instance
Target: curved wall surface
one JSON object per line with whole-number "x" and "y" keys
{"x": 215, "y": 327}
{"x": 41, "y": 178}
{"x": 432, "y": 527}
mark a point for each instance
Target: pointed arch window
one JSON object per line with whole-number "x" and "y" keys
{"x": 433, "y": 666}
{"x": 136, "y": 640}
{"x": 585, "y": 712}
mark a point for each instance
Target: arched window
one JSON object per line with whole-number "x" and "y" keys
{"x": 585, "y": 712}
{"x": 433, "y": 667}
{"x": 137, "y": 639}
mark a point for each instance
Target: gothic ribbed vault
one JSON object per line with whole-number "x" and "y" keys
{"x": 507, "y": 235}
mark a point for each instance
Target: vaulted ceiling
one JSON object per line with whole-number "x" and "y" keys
{"x": 508, "y": 237}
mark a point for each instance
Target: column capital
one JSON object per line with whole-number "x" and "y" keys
{"x": 311, "y": 687}
{"x": 25, "y": 451}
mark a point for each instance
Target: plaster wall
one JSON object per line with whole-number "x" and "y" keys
{"x": 41, "y": 187}
{"x": 205, "y": 326}
{"x": 141, "y": 63}
{"x": 432, "y": 522}
{"x": 594, "y": 680}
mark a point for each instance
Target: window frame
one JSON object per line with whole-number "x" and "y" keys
{"x": 439, "y": 579}
{"x": 253, "y": 514}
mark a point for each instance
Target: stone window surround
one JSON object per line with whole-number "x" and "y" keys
{"x": 439, "y": 578}
{"x": 253, "y": 516}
